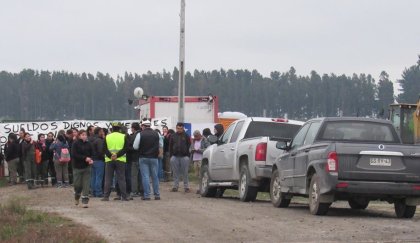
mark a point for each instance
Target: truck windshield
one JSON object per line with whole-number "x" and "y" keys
{"x": 358, "y": 131}
{"x": 271, "y": 129}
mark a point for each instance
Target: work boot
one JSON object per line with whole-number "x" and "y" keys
{"x": 76, "y": 199}
{"x": 66, "y": 184}
{"x": 85, "y": 201}
{"x": 30, "y": 184}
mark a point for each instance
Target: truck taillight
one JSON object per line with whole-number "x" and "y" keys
{"x": 280, "y": 120}
{"x": 261, "y": 152}
{"x": 332, "y": 162}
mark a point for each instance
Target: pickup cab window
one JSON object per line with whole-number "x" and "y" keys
{"x": 310, "y": 135}
{"x": 271, "y": 129}
{"x": 236, "y": 132}
{"x": 225, "y": 138}
{"x": 300, "y": 136}
{"x": 362, "y": 131}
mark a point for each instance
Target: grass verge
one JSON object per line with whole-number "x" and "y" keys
{"x": 3, "y": 181}
{"x": 19, "y": 224}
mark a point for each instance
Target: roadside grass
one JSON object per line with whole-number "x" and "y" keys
{"x": 3, "y": 182}
{"x": 20, "y": 224}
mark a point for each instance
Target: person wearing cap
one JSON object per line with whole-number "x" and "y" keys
{"x": 198, "y": 145}
{"x": 148, "y": 145}
{"x": 115, "y": 148}
{"x": 179, "y": 146}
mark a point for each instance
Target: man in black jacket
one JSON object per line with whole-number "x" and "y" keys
{"x": 134, "y": 156}
{"x": 98, "y": 168}
{"x": 179, "y": 149}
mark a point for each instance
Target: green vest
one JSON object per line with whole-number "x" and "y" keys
{"x": 115, "y": 142}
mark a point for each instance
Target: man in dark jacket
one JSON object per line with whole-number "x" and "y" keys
{"x": 218, "y": 130}
{"x": 12, "y": 153}
{"x": 134, "y": 156}
{"x": 98, "y": 168}
{"x": 179, "y": 146}
{"x": 82, "y": 162}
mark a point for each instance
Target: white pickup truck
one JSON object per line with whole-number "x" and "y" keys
{"x": 242, "y": 158}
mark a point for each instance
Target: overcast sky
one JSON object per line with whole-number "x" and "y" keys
{"x": 346, "y": 36}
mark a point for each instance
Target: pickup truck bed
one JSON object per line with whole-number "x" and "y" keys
{"x": 354, "y": 159}
{"x": 243, "y": 156}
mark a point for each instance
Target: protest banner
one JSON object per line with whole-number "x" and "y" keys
{"x": 35, "y": 128}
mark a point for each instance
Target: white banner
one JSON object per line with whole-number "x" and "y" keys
{"x": 35, "y": 128}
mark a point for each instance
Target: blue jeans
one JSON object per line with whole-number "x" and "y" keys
{"x": 160, "y": 169}
{"x": 97, "y": 177}
{"x": 149, "y": 167}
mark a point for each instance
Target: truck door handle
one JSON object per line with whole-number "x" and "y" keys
{"x": 306, "y": 150}
{"x": 293, "y": 153}
{"x": 222, "y": 150}
{"x": 232, "y": 148}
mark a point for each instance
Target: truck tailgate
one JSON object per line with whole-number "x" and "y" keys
{"x": 377, "y": 162}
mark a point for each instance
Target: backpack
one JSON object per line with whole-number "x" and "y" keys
{"x": 64, "y": 154}
{"x": 38, "y": 158}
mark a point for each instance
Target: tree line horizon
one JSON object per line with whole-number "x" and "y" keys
{"x": 33, "y": 95}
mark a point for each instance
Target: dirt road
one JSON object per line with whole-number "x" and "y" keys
{"x": 181, "y": 217}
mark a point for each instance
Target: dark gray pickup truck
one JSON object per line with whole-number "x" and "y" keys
{"x": 353, "y": 159}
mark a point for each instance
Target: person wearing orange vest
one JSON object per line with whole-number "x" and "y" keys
{"x": 115, "y": 148}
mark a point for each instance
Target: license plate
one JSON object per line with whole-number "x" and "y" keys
{"x": 380, "y": 161}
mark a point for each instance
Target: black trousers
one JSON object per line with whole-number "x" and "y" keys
{"x": 119, "y": 168}
{"x": 127, "y": 179}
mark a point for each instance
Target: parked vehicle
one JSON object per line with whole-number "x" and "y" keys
{"x": 353, "y": 159}
{"x": 243, "y": 156}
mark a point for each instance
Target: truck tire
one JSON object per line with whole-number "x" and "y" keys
{"x": 206, "y": 190}
{"x": 402, "y": 210}
{"x": 278, "y": 198}
{"x": 358, "y": 204}
{"x": 315, "y": 206}
{"x": 246, "y": 192}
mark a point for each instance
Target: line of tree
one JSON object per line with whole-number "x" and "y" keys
{"x": 44, "y": 95}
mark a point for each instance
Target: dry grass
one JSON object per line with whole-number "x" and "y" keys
{"x": 19, "y": 224}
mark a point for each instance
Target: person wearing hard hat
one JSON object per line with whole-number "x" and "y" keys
{"x": 115, "y": 148}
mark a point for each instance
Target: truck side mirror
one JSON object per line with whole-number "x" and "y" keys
{"x": 212, "y": 139}
{"x": 283, "y": 145}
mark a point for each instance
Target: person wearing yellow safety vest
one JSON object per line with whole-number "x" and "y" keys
{"x": 115, "y": 148}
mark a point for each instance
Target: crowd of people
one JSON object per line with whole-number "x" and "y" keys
{"x": 97, "y": 161}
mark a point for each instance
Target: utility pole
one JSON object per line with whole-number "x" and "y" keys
{"x": 181, "y": 84}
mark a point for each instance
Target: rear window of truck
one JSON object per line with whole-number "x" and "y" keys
{"x": 271, "y": 129}
{"x": 360, "y": 131}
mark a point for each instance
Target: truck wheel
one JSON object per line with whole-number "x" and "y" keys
{"x": 315, "y": 206}
{"x": 402, "y": 210}
{"x": 206, "y": 190}
{"x": 277, "y": 197}
{"x": 358, "y": 203}
{"x": 246, "y": 192}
